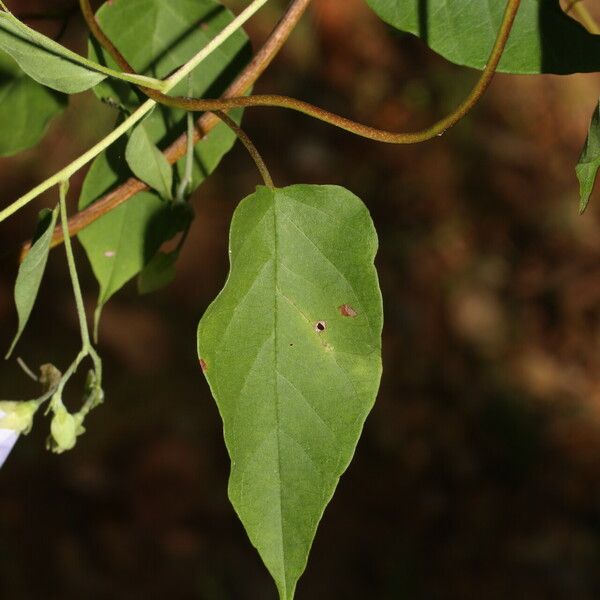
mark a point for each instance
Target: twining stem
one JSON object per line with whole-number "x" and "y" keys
{"x": 208, "y": 121}
{"x": 142, "y": 111}
{"x": 193, "y": 104}
{"x": 252, "y": 150}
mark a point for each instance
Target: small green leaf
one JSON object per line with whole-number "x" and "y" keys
{"x": 122, "y": 242}
{"x": 543, "y": 39}
{"x": 158, "y": 273}
{"x": 27, "y": 108}
{"x": 32, "y": 270}
{"x": 589, "y": 161}
{"x": 148, "y": 163}
{"x": 291, "y": 349}
{"x": 45, "y": 60}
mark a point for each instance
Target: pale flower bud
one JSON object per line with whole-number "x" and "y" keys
{"x": 65, "y": 428}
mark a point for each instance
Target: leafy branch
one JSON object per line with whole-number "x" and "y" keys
{"x": 137, "y": 116}
{"x": 206, "y": 123}
{"x": 233, "y": 98}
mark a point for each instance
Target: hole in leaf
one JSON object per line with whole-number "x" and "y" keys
{"x": 320, "y": 326}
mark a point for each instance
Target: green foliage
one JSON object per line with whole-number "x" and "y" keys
{"x": 589, "y": 161}
{"x": 148, "y": 163}
{"x": 27, "y": 108}
{"x": 173, "y": 32}
{"x": 543, "y": 39}
{"x": 44, "y": 60}
{"x": 291, "y": 350}
{"x": 32, "y": 270}
{"x": 121, "y": 244}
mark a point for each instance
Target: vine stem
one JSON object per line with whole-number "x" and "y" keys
{"x": 83, "y": 326}
{"x": 208, "y": 121}
{"x": 87, "y": 349}
{"x": 135, "y": 117}
{"x": 201, "y": 104}
{"x": 249, "y": 144}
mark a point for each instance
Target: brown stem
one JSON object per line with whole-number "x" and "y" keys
{"x": 249, "y": 144}
{"x": 390, "y": 137}
{"x": 132, "y": 186}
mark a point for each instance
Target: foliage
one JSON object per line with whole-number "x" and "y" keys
{"x": 291, "y": 347}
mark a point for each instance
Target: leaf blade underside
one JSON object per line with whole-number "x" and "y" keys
{"x": 293, "y": 374}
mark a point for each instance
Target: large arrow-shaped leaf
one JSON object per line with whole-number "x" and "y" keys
{"x": 292, "y": 352}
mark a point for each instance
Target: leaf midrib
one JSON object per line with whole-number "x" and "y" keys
{"x": 275, "y": 371}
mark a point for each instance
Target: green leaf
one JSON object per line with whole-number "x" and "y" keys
{"x": 148, "y": 163}
{"x": 45, "y": 60}
{"x": 173, "y": 32}
{"x": 27, "y": 108}
{"x": 589, "y": 161}
{"x": 122, "y": 242}
{"x": 291, "y": 349}
{"x": 32, "y": 270}
{"x": 543, "y": 40}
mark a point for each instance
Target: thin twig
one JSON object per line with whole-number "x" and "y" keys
{"x": 249, "y": 144}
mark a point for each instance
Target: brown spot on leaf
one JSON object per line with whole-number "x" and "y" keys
{"x": 347, "y": 311}
{"x": 320, "y": 326}
{"x": 203, "y": 365}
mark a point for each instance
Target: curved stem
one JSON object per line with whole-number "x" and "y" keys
{"x": 193, "y": 104}
{"x": 252, "y": 150}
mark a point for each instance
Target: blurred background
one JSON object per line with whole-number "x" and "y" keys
{"x": 478, "y": 474}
